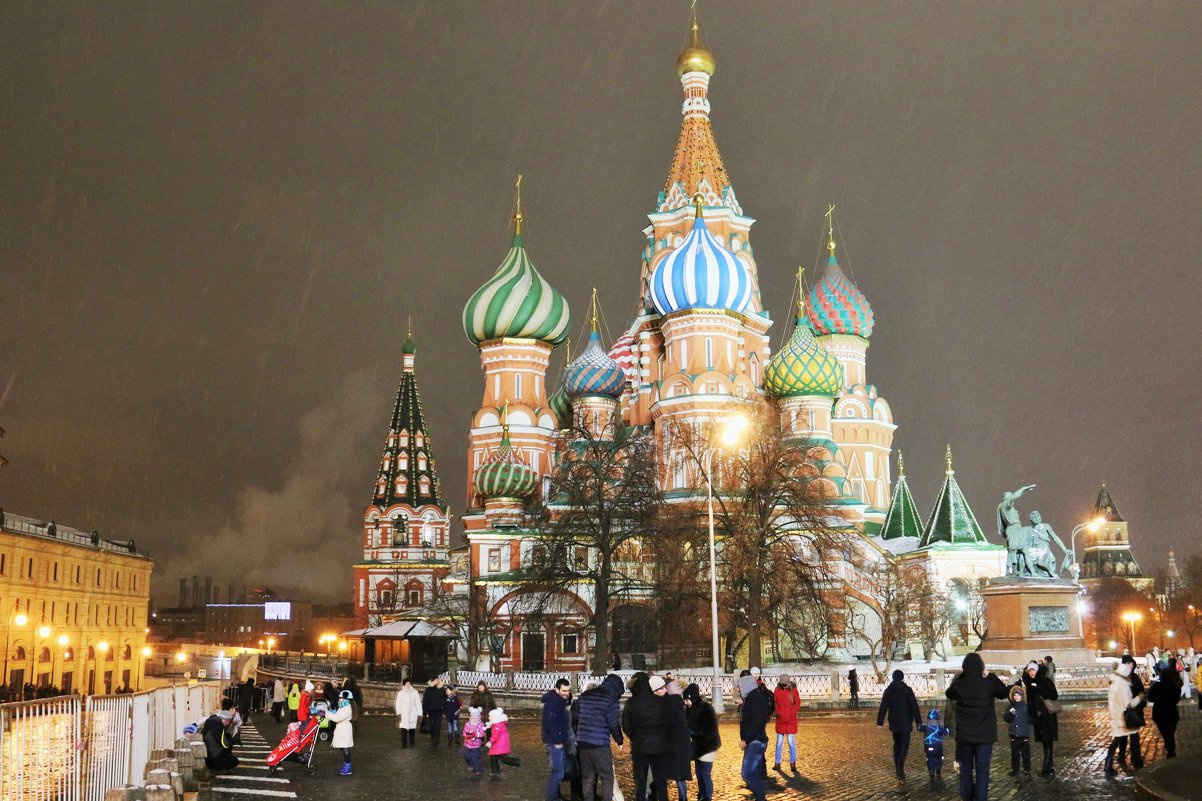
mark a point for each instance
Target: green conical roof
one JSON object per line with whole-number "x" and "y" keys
{"x": 407, "y": 452}
{"x": 952, "y": 521}
{"x": 902, "y": 519}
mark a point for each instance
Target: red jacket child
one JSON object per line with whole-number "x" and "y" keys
{"x": 788, "y": 701}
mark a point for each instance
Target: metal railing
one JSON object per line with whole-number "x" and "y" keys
{"x": 41, "y": 742}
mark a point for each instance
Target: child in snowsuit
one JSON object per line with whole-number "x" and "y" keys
{"x": 473, "y": 737}
{"x": 450, "y": 711}
{"x": 1019, "y": 719}
{"x": 933, "y": 733}
{"x": 498, "y": 743}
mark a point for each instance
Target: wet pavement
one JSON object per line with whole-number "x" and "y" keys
{"x": 842, "y": 755}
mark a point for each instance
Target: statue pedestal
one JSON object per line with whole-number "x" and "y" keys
{"x": 1032, "y": 618}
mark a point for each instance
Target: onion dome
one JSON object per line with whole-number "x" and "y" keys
{"x": 516, "y": 302}
{"x": 700, "y": 274}
{"x": 695, "y": 57}
{"x": 802, "y": 366}
{"x": 505, "y": 474}
{"x": 837, "y": 306}
{"x": 561, "y": 407}
{"x": 594, "y": 372}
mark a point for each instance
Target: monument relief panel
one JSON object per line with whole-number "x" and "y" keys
{"x": 1047, "y": 619}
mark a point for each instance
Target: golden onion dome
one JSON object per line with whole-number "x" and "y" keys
{"x": 694, "y": 57}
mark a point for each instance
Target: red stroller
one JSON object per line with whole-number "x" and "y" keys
{"x": 298, "y": 745}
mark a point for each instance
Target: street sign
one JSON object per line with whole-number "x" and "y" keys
{"x": 202, "y": 674}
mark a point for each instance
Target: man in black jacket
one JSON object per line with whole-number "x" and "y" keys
{"x": 557, "y": 733}
{"x": 432, "y": 700}
{"x": 904, "y": 717}
{"x": 975, "y": 691}
{"x": 753, "y": 733}
{"x": 645, "y": 721}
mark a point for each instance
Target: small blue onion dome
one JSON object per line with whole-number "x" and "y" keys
{"x": 561, "y": 407}
{"x": 594, "y": 372}
{"x": 700, "y": 274}
{"x": 802, "y": 366}
{"x": 505, "y": 474}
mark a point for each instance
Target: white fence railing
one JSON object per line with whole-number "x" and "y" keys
{"x": 41, "y": 742}
{"x": 829, "y": 684}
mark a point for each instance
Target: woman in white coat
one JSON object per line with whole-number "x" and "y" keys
{"x": 408, "y": 710}
{"x": 344, "y": 732}
{"x": 1121, "y": 698}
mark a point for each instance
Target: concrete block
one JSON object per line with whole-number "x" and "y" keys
{"x": 160, "y": 792}
{"x": 177, "y": 784}
{"x": 157, "y": 776}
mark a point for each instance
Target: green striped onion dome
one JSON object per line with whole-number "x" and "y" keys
{"x": 803, "y": 367}
{"x": 517, "y": 302}
{"x": 505, "y": 474}
{"x": 561, "y": 407}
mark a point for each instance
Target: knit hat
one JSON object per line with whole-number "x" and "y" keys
{"x": 692, "y": 694}
{"x": 783, "y": 679}
{"x": 747, "y": 685}
{"x": 657, "y": 683}
{"x": 1032, "y": 665}
{"x": 497, "y": 715}
{"x": 474, "y": 713}
{"x": 755, "y": 671}
{"x": 308, "y": 686}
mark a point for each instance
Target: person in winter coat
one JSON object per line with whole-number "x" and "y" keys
{"x": 483, "y": 698}
{"x": 753, "y": 734}
{"x": 344, "y": 732}
{"x": 432, "y": 700}
{"x": 974, "y": 691}
{"x": 304, "y": 708}
{"x": 899, "y": 703}
{"x": 557, "y": 734}
{"x": 1018, "y": 720}
{"x": 219, "y": 751}
{"x": 853, "y": 688}
{"x": 1138, "y": 691}
{"x": 787, "y": 702}
{"x": 680, "y": 759}
{"x": 1120, "y": 698}
{"x": 450, "y": 710}
{"x": 473, "y": 738}
{"x": 703, "y": 732}
{"x": 597, "y": 716}
{"x": 294, "y": 702}
{"x": 408, "y": 710}
{"x": 933, "y": 732}
{"x": 278, "y": 697}
{"x": 1164, "y": 694}
{"x": 499, "y": 750}
{"x": 645, "y": 721}
{"x": 352, "y": 684}
{"x": 1041, "y": 688}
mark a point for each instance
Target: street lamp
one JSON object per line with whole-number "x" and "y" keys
{"x": 1132, "y": 618}
{"x": 328, "y": 639}
{"x": 731, "y": 434}
{"x": 1091, "y": 526}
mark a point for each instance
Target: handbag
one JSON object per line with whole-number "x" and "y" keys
{"x": 1133, "y": 718}
{"x": 1052, "y": 705}
{"x": 424, "y": 727}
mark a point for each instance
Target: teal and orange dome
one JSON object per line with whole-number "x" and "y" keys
{"x": 837, "y": 306}
{"x": 802, "y": 366}
{"x": 516, "y": 303}
{"x": 505, "y": 474}
{"x": 594, "y": 372}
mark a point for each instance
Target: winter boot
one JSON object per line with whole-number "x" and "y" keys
{"x": 793, "y": 766}
{"x": 345, "y": 770}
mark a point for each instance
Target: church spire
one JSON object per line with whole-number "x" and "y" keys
{"x": 407, "y": 473}
{"x": 952, "y": 521}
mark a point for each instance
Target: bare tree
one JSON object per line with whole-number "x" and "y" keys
{"x": 772, "y": 517}
{"x": 882, "y": 613}
{"x": 935, "y": 613}
{"x": 604, "y": 495}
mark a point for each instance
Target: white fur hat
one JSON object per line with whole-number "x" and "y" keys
{"x": 657, "y": 683}
{"x": 497, "y": 715}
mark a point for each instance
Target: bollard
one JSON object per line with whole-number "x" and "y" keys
{"x": 836, "y": 685}
{"x": 157, "y": 776}
{"x": 177, "y": 785}
{"x": 160, "y": 792}
{"x": 940, "y": 683}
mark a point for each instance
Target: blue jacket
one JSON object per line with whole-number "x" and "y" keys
{"x": 556, "y": 720}
{"x": 1018, "y": 715}
{"x": 598, "y": 717}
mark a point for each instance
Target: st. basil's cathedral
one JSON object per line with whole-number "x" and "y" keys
{"x": 697, "y": 349}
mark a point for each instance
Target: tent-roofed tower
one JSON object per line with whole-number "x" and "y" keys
{"x": 406, "y": 526}
{"x": 902, "y": 527}
{"x": 952, "y": 522}
{"x": 697, "y": 179}
{"x": 1107, "y": 552}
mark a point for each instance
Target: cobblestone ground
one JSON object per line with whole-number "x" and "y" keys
{"x": 841, "y": 756}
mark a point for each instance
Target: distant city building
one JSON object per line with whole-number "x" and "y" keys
{"x": 73, "y": 607}
{"x": 254, "y": 623}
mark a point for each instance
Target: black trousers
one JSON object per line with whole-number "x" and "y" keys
{"x": 1119, "y": 746}
{"x": 408, "y": 738}
{"x": 435, "y": 720}
{"x": 1020, "y": 751}
{"x": 901, "y": 747}
{"x": 658, "y": 765}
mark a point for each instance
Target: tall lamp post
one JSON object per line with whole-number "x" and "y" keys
{"x": 1132, "y": 618}
{"x": 731, "y": 434}
{"x": 1091, "y": 526}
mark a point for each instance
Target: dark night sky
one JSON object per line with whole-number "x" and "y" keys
{"x": 215, "y": 219}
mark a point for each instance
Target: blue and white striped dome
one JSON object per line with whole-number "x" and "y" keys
{"x": 594, "y": 372}
{"x": 700, "y": 274}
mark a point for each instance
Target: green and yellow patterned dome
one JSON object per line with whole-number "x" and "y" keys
{"x": 505, "y": 474}
{"x": 802, "y": 366}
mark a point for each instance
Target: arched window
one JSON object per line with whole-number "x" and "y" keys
{"x": 20, "y": 655}
{"x": 421, "y": 461}
{"x": 402, "y": 484}
{"x": 404, "y": 443}
{"x": 420, "y": 439}
{"x": 127, "y": 652}
{"x": 425, "y": 485}
{"x": 402, "y": 461}
{"x": 44, "y": 655}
